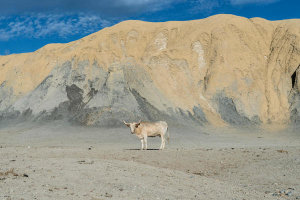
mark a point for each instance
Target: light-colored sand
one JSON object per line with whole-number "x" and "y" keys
{"x": 206, "y": 164}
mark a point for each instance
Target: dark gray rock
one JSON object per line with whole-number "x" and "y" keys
{"x": 228, "y": 112}
{"x": 199, "y": 114}
{"x": 75, "y": 96}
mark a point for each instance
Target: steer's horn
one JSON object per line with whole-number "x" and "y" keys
{"x": 125, "y": 123}
{"x": 139, "y": 122}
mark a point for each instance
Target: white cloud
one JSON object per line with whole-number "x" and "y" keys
{"x": 208, "y": 6}
{"x": 112, "y": 8}
{"x": 6, "y": 52}
{"x": 137, "y": 2}
{"x": 57, "y": 23}
{"x": 44, "y": 25}
{"x": 242, "y": 2}
{"x": 205, "y": 6}
{"x": 4, "y": 35}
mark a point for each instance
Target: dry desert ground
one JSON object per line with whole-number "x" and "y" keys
{"x": 55, "y": 161}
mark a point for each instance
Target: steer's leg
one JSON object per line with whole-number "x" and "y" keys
{"x": 142, "y": 141}
{"x": 161, "y": 145}
{"x": 145, "y": 139}
{"x": 164, "y": 142}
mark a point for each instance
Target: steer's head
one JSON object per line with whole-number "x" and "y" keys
{"x": 132, "y": 125}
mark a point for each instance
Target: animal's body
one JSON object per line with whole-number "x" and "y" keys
{"x": 150, "y": 129}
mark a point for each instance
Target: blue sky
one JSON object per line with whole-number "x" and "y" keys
{"x": 27, "y": 25}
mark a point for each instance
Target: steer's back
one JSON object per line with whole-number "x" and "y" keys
{"x": 154, "y": 128}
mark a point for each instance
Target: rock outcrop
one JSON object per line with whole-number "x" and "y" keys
{"x": 222, "y": 70}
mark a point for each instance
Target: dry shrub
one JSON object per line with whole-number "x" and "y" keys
{"x": 282, "y": 151}
{"x": 8, "y": 172}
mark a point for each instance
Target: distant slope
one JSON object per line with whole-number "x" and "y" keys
{"x": 220, "y": 70}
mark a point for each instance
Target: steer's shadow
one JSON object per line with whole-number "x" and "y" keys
{"x": 141, "y": 150}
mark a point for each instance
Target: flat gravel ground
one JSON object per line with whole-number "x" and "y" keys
{"x": 55, "y": 161}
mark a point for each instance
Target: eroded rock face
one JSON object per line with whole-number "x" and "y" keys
{"x": 223, "y": 70}
{"x": 294, "y": 98}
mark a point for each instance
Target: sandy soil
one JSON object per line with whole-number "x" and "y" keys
{"x": 63, "y": 162}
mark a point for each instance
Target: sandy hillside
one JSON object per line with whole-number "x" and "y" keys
{"x": 91, "y": 163}
{"x": 222, "y": 70}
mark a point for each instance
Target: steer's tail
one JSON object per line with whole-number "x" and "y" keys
{"x": 168, "y": 135}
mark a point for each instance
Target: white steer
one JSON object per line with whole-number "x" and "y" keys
{"x": 150, "y": 129}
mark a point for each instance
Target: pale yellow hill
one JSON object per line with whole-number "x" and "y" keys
{"x": 207, "y": 63}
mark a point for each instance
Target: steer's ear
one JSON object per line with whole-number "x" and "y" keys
{"x": 137, "y": 124}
